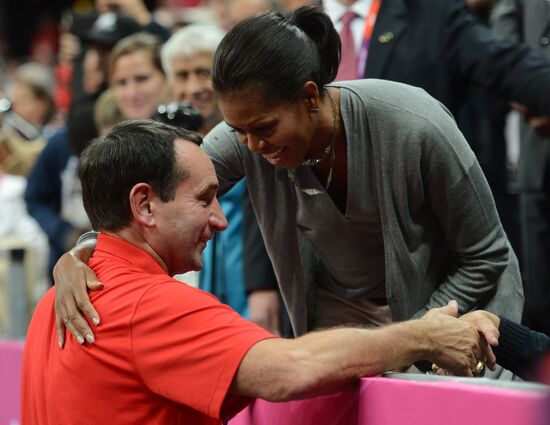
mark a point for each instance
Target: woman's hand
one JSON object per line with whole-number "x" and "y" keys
{"x": 72, "y": 276}
{"x": 487, "y": 324}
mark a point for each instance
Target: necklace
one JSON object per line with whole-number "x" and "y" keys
{"x": 330, "y": 149}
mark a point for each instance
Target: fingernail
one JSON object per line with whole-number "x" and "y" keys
{"x": 90, "y": 338}
{"x": 80, "y": 339}
{"x": 60, "y": 343}
{"x": 95, "y": 320}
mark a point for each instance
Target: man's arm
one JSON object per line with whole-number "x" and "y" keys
{"x": 512, "y": 71}
{"x": 326, "y": 361}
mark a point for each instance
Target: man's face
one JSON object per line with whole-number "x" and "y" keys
{"x": 184, "y": 225}
{"x": 192, "y": 81}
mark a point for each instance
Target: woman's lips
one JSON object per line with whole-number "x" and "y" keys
{"x": 274, "y": 156}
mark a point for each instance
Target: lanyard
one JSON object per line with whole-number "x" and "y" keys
{"x": 367, "y": 34}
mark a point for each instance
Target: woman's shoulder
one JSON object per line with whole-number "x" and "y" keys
{"x": 386, "y": 96}
{"x": 393, "y": 107}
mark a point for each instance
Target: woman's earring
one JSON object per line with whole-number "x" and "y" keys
{"x": 313, "y": 110}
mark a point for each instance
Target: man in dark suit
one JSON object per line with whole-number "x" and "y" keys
{"x": 529, "y": 22}
{"x": 439, "y": 45}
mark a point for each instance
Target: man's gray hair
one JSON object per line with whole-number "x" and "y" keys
{"x": 190, "y": 41}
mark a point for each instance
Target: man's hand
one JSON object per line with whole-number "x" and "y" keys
{"x": 456, "y": 345}
{"x": 263, "y": 308}
{"x": 540, "y": 123}
{"x": 72, "y": 276}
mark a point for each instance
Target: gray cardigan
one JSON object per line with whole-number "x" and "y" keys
{"x": 442, "y": 235}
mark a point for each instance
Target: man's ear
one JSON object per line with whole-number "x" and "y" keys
{"x": 141, "y": 197}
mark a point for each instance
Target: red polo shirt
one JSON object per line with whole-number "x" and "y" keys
{"x": 165, "y": 353}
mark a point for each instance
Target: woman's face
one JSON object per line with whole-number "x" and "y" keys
{"x": 283, "y": 133}
{"x": 138, "y": 86}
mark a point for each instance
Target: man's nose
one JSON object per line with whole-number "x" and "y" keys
{"x": 194, "y": 85}
{"x": 218, "y": 222}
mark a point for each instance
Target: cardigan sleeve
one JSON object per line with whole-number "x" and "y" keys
{"x": 226, "y": 153}
{"x": 456, "y": 191}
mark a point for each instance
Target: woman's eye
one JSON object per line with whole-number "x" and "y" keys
{"x": 142, "y": 78}
{"x": 263, "y": 130}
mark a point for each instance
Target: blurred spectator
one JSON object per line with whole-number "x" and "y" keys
{"x": 187, "y": 60}
{"x": 17, "y": 153}
{"x": 100, "y": 30}
{"x": 136, "y": 76}
{"x": 19, "y": 231}
{"x": 31, "y": 95}
{"x": 106, "y": 112}
{"x": 239, "y": 10}
{"x": 53, "y": 194}
{"x": 25, "y": 113}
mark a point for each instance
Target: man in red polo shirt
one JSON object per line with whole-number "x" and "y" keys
{"x": 168, "y": 353}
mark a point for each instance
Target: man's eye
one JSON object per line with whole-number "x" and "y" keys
{"x": 206, "y": 200}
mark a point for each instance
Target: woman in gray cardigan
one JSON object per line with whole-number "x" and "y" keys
{"x": 371, "y": 203}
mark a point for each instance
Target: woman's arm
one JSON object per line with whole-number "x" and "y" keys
{"x": 72, "y": 278}
{"x": 519, "y": 348}
{"x": 456, "y": 190}
{"x": 226, "y": 153}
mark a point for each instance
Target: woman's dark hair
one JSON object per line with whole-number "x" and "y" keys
{"x": 278, "y": 55}
{"x": 132, "y": 152}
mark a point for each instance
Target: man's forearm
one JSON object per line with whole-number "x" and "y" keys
{"x": 326, "y": 361}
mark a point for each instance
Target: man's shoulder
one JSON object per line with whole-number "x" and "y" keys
{"x": 115, "y": 272}
{"x": 43, "y": 319}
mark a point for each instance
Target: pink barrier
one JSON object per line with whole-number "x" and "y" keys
{"x": 11, "y": 353}
{"x": 390, "y": 401}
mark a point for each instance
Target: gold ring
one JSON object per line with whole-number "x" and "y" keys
{"x": 479, "y": 369}
{"x": 435, "y": 368}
